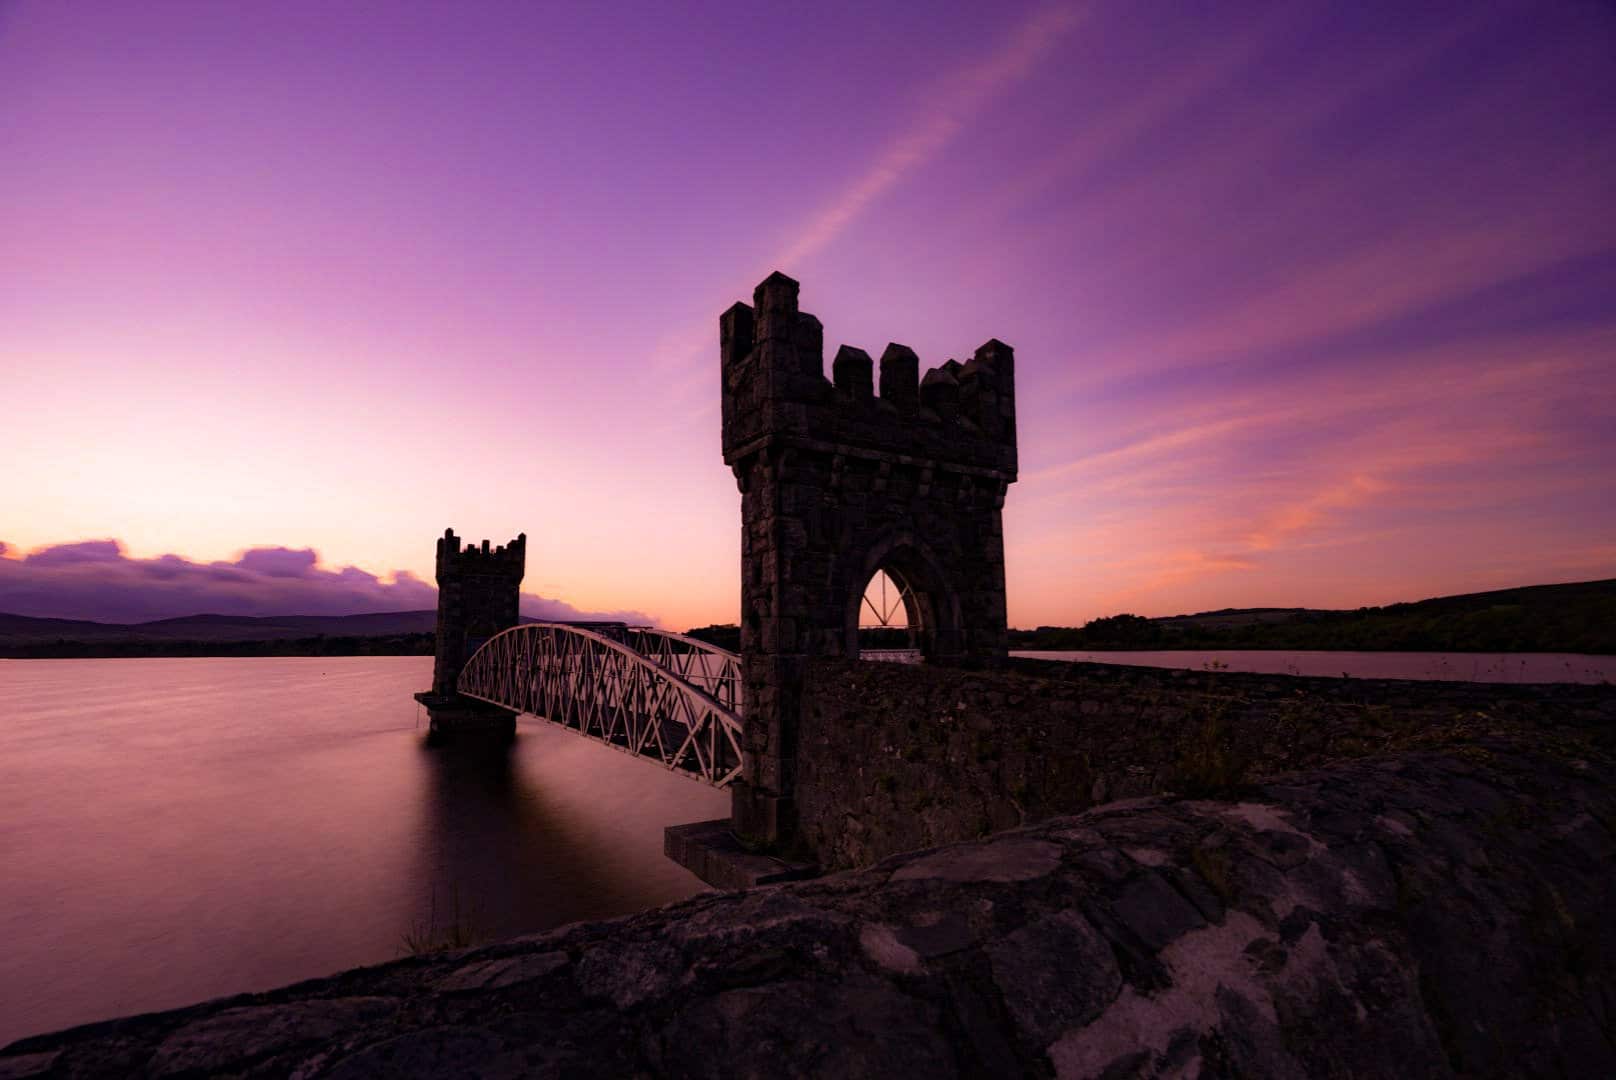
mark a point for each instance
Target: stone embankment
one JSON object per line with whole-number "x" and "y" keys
{"x": 1435, "y": 912}
{"x": 895, "y": 757}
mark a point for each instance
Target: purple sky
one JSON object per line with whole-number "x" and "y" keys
{"x": 1312, "y": 303}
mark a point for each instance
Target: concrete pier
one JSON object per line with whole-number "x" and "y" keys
{"x": 452, "y": 716}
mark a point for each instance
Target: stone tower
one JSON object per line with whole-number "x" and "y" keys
{"x": 837, "y": 483}
{"x": 478, "y": 595}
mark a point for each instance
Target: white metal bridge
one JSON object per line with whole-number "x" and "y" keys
{"x": 666, "y": 697}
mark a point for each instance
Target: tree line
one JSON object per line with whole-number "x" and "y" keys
{"x": 1547, "y": 618}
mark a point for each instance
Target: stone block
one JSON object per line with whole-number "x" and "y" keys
{"x": 712, "y": 851}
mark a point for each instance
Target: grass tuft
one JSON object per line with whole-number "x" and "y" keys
{"x": 460, "y": 931}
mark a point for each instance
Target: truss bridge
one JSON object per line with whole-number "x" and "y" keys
{"x": 666, "y": 697}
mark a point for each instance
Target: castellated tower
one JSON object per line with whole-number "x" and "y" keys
{"x": 478, "y": 594}
{"x": 839, "y": 481}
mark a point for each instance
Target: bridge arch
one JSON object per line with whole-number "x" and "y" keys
{"x": 665, "y": 697}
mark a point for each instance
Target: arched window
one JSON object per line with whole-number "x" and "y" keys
{"x": 890, "y": 621}
{"x": 898, "y": 604}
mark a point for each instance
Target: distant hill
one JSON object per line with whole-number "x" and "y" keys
{"x": 23, "y": 628}
{"x": 1578, "y": 617}
{"x": 378, "y": 633}
{"x": 386, "y": 633}
{"x": 1225, "y": 617}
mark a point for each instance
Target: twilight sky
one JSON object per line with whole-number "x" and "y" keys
{"x": 1313, "y": 304}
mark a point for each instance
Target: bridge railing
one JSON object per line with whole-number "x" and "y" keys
{"x": 892, "y": 656}
{"x": 676, "y": 703}
{"x": 700, "y": 663}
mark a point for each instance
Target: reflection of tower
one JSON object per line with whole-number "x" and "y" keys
{"x": 478, "y": 595}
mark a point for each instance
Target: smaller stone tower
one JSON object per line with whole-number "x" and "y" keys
{"x": 478, "y": 594}
{"x": 479, "y": 591}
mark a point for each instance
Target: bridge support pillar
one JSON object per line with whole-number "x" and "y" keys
{"x": 452, "y": 716}
{"x": 712, "y": 851}
{"x": 479, "y": 592}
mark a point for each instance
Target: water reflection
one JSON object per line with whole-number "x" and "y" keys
{"x": 172, "y": 830}
{"x": 509, "y": 855}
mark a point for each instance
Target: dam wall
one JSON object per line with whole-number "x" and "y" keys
{"x": 896, "y": 757}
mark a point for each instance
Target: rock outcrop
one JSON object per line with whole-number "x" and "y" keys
{"x": 1431, "y": 913}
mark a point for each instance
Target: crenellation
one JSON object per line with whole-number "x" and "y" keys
{"x": 454, "y": 559}
{"x": 854, "y": 373}
{"x": 775, "y": 391}
{"x": 736, "y": 334}
{"x": 987, "y": 384}
{"x": 775, "y": 301}
{"x": 900, "y": 377}
{"x": 809, "y": 341}
{"x": 939, "y": 391}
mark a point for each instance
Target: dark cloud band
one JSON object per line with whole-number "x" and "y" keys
{"x": 95, "y": 579}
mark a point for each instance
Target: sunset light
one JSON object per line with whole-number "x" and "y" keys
{"x": 1045, "y": 538}
{"x": 1311, "y": 305}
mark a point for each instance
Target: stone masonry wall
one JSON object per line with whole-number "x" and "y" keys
{"x": 895, "y": 757}
{"x": 1428, "y": 913}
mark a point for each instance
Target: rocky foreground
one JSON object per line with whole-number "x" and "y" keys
{"x": 1432, "y": 914}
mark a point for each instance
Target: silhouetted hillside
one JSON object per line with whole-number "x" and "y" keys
{"x": 1579, "y": 617}
{"x": 22, "y": 628}
{"x": 376, "y": 633}
{"x": 342, "y": 645}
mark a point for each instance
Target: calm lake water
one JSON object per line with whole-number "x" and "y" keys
{"x": 1473, "y": 667}
{"x": 177, "y": 829}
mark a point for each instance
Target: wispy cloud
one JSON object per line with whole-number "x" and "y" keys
{"x": 1249, "y": 247}
{"x": 1378, "y": 282}
{"x": 1304, "y": 513}
{"x": 1147, "y": 447}
{"x": 959, "y": 101}
{"x": 1280, "y": 477}
{"x": 1105, "y": 131}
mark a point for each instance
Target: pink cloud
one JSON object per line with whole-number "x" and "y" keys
{"x": 283, "y": 562}
{"x": 86, "y": 551}
{"x": 97, "y": 580}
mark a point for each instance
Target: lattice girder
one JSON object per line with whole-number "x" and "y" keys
{"x": 665, "y": 697}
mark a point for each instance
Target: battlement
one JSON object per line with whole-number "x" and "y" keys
{"x": 775, "y": 391}
{"x": 506, "y": 561}
{"x": 479, "y": 594}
